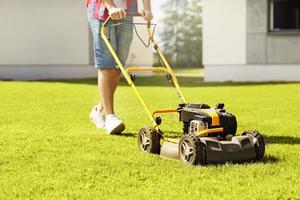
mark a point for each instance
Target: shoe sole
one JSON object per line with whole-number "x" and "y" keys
{"x": 118, "y": 130}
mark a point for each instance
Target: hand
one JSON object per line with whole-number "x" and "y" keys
{"x": 117, "y": 13}
{"x": 147, "y": 15}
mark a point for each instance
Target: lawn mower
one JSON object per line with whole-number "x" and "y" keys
{"x": 209, "y": 134}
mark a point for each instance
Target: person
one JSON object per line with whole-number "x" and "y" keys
{"x": 103, "y": 114}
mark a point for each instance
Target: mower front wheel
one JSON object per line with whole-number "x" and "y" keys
{"x": 259, "y": 143}
{"x": 149, "y": 140}
{"x": 191, "y": 150}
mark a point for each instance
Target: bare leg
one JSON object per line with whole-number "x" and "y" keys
{"x": 100, "y": 106}
{"x": 116, "y": 79}
{"x": 107, "y": 82}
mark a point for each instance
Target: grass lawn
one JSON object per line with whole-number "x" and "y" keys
{"x": 50, "y": 150}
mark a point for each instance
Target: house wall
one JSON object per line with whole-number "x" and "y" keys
{"x": 264, "y": 47}
{"x": 224, "y": 32}
{"x": 268, "y": 56}
{"x": 51, "y": 39}
{"x": 43, "y": 33}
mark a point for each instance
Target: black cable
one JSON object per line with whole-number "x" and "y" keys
{"x": 146, "y": 44}
{"x": 140, "y": 38}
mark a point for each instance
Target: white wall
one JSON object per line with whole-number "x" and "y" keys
{"x": 139, "y": 55}
{"x": 53, "y": 33}
{"x": 43, "y": 32}
{"x": 224, "y": 32}
{"x": 50, "y": 39}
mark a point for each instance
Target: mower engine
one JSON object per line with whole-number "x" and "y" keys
{"x": 199, "y": 117}
{"x": 196, "y": 126}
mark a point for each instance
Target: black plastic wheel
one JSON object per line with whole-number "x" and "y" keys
{"x": 259, "y": 143}
{"x": 191, "y": 150}
{"x": 149, "y": 140}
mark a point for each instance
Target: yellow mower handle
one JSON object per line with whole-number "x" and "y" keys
{"x": 136, "y": 15}
{"x": 120, "y": 65}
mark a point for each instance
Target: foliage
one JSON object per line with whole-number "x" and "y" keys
{"x": 182, "y": 35}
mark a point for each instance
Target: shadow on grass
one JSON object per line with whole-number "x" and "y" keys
{"x": 281, "y": 140}
{"x": 173, "y": 134}
{"x": 128, "y": 135}
{"x": 184, "y": 81}
{"x": 269, "y": 159}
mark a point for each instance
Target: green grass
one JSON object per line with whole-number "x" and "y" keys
{"x": 50, "y": 150}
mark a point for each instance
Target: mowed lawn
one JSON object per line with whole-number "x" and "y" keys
{"x": 50, "y": 150}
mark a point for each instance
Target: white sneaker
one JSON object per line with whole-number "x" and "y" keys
{"x": 114, "y": 125}
{"x": 97, "y": 118}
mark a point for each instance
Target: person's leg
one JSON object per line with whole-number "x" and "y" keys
{"x": 105, "y": 64}
{"x": 123, "y": 36}
{"x": 107, "y": 81}
{"x": 114, "y": 78}
{"x": 108, "y": 78}
{"x": 96, "y": 115}
{"x": 124, "y": 39}
{"x": 108, "y": 75}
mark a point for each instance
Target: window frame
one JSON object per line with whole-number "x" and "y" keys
{"x": 271, "y": 22}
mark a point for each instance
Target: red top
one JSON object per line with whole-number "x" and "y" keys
{"x": 100, "y": 11}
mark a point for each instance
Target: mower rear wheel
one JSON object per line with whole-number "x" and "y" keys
{"x": 191, "y": 150}
{"x": 149, "y": 140}
{"x": 259, "y": 143}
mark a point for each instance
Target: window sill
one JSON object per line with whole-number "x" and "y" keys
{"x": 285, "y": 32}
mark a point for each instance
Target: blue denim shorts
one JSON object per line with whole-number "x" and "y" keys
{"x": 121, "y": 38}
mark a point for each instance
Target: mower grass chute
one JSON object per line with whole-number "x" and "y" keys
{"x": 209, "y": 134}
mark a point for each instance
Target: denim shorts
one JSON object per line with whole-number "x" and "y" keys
{"x": 121, "y": 38}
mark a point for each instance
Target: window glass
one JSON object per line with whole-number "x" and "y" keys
{"x": 286, "y": 15}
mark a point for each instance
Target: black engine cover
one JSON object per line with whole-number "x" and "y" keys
{"x": 190, "y": 112}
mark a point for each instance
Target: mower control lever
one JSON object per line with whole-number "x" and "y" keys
{"x": 136, "y": 15}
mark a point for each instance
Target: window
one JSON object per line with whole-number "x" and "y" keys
{"x": 284, "y": 15}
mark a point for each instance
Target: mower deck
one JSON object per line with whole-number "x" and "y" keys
{"x": 239, "y": 149}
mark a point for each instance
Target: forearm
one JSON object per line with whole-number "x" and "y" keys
{"x": 147, "y": 4}
{"x": 108, "y": 4}
{"x": 114, "y": 12}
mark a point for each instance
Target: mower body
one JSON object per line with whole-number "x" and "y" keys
{"x": 219, "y": 147}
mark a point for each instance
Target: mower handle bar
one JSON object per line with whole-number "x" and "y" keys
{"x": 120, "y": 22}
{"x": 136, "y": 15}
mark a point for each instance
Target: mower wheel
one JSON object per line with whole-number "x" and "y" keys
{"x": 149, "y": 140}
{"x": 259, "y": 143}
{"x": 132, "y": 77}
{"x": 191, "y": 150}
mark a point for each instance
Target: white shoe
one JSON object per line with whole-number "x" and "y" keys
{"x": 97, "y": 118}
{"x": 114, "y": 125}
